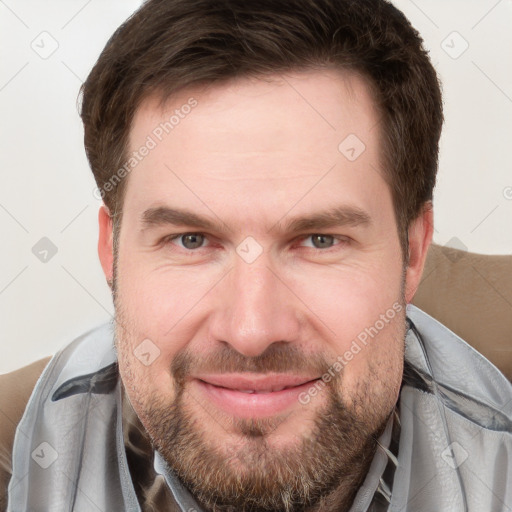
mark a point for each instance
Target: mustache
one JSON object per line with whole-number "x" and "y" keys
{"x": 280, "y": 357}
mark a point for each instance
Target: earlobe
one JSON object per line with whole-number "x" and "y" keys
{"x": 420, "y": 237}
{"x": 105, "y": 243}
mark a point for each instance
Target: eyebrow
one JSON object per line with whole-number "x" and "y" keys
{"x": 334, "y": 217}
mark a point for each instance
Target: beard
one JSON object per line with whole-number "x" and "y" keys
{"x": 320, "y": 470}
{"x": 256, "y": 476}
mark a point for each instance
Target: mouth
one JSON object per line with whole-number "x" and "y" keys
{"x": 258, "y": 397}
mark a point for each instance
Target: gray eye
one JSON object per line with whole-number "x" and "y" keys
{"x": 322, "y": 241}
{"x": 192, "y": 240}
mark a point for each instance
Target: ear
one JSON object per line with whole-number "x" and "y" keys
{"x": 420, "y": 237}
{"x": 105, "y": 243}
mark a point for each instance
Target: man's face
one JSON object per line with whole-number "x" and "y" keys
{"x": 212, "y": 326}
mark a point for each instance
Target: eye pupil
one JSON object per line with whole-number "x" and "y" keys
{"x": 195, "y": 240}
{"x": 324, "y": 240}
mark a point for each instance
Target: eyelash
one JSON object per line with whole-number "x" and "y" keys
{"x": 341, "y": 240}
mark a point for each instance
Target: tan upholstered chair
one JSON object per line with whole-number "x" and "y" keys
{"x": 472, "y": 295}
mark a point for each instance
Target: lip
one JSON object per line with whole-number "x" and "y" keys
{"x": 253, "y": 397}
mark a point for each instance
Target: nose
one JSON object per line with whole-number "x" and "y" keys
{"x": 255, "y": 308}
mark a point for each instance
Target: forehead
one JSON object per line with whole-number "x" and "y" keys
{"x": 259, "y": 144}
{"x": 254, "y": 110}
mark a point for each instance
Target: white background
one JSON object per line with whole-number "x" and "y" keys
{"x": 47, "y": 185}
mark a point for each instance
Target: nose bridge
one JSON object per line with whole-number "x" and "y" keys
{"x": 257, "y": 308}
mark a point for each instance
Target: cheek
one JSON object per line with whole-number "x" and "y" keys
{"x": 143, "y": 379}
{"x": 375, "y": 371}
{"x": 363, "y": 320}
{"x": 348, "y": 301}
{"x": 147, "y": 311}
{"x": 156, "y": 302}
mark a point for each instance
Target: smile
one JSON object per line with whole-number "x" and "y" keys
{"x": 258, "y": 397}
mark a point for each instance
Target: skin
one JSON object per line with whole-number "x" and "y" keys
{"x": 252, "y": 155}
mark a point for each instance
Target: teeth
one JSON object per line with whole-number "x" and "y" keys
{"x": 259, "y": 392}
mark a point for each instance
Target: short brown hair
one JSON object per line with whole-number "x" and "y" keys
{"x": 169, "y": 44}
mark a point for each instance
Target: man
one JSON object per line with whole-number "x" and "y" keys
{"x": 267, "y": 171}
